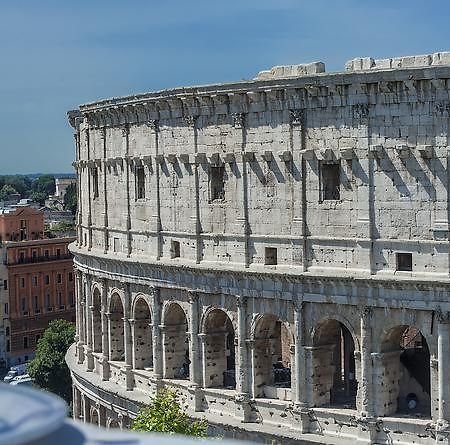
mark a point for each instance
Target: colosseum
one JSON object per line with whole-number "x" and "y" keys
{"x": 276, "y": 250}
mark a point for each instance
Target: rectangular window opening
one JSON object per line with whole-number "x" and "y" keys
{"x": 271, "y": 256}
{"x": 217, "y": 183}
{"x": 175, "y": 249}
{"x": 140, "y": 182}
{"x": 404, "y": 262}
{"x": 331, "y": 182}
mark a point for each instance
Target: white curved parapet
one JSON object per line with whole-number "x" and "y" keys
{"x": 29, "y": 416}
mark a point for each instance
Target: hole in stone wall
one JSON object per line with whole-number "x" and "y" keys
{"x": 330, "y": 181}
{"x": 217, "y": 183}
{"x": 175, "y": 249}
{"x": 270, "y": 256}
{"x": 404, "y": 262}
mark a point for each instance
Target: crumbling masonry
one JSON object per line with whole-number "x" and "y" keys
{"x": 277, "y": 250}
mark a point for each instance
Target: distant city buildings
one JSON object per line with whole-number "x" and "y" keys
{"x": 36, "y": 282}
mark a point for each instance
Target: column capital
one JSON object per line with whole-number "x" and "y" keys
{"x": 190, "y": 120}
{"x": 202, "y": 337}
{"x": 238, "y": 120}
{"x": 154, "y": 291}
{"x": 366, "y": 312}
{"x": 241, "y": 301}
{"x": 192, "y": 296}
{"x": 125, "y": 130}
{"x": 153, "y": 124}
{"x": 298, "y": 304}
{"x": 296, "y": 116}
{"x": 131, "y": 321}
{"x": 250, "y": 342}
{"x": 442, "y": 316}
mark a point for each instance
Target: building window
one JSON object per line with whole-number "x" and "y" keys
{"x": 116, "y": 244}
{"x": 140, "y": 182}
{"x": 21, "y": 256}
{"x": 47, "y": 279}
{"x": 37, "y": 338}
{"x": 70, "y": 276}
{"x": 46, "y": 254}
{"x": 59, "y": 299}
{"x": 59, "y": 278}
{"x": 95, "y": 182}
{"x": 404, "y": 262}
{"x": 35, "y": 280}
{"x": 6, "y": 308}
{"x": 47, "y": 301}
{"x": 34, "y": 254}
{"x": 71, "y": 299}
{"x": 24, "y": 304}
{"x": 8, "y": 346}
{"x": 22, "y": 282}
{"x": 35, "y": 302}
{"x": 5, "y": 284}
{"x": 7, "y": 331}
{"x": 25, "y": 342}
{"x": 58, "y": 253}
{"x": 217, "y": 183}
{"x": 175, "y": 249}
{"x": 330, "y": 182}
{"x": 270, "y": 256}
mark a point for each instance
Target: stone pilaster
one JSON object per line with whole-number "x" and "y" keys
{"x": 104, "y": 359}
{"x": 443, "y": 351}
{"x": 156, "y": 335}
{"x": 242, "y": 374}
{"x": 366, "y": 387}
{"x": 194, "y": 352}
{"x": 128, "y": 366}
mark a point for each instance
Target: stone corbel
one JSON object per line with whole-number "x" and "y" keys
{"x": 285, "y": 156}
{"x": 229, "y": 158}
{"x": 376, "y": 151}
{"x": 267, "y": 156}
{"x": 214, "y": 159}
{"x": 248, "y": 156}
{"x": 159, "y": 159}
{"x": 347, "y": 153}
{"x": 296, "y": 117}
{"x": 308, "y": 154}
{"x": 200, "y": 158}
{"x": 172, "y": 158}
{"x": 426, "y": 151}
{"x": 185, "y": 158}
{"x": 326, "y": 155}
{"x": 403, "y": 151}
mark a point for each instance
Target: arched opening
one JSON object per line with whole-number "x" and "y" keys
{"x": 272, "y": 359}
{"x": 143, "y": 357}
{"x": 113, "y": 424}
{"x": 96, "y": 321}
{"x": 175, "y": 343}
{"x": 95, "y": 417}
{"x": 219, "y": 369}
{"x": 333, "y": 366}
{"x": 403, "y": 373}
{"x": 116, "y": 330}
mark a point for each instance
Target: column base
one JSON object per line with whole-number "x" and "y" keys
{"x": 80, "y": 352}
{"x": 368, "y": 429}
{"x": 129, "y": 381}
{"x": 197, "y": 396}
{"x": 442, "y": 429}
{"x": 302, "y": 418}
{"x": 104, "y": 364}
{"x": 244, "y": 407}
{"x": 90, "y": 359}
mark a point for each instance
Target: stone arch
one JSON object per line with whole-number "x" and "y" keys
{"x": 113, "y": 423}
{"x": 96, "y": 319}
{"x": 94, "y": 416}
{"x": 116, "y": 328}
{"x": 315, "y": 331}
{"x": 272, "y": 356}
{"x": 142, "y": 347}
{"x": 206, "y": 313}
{"x": 402, "y": 369}
{"x": 219, "y": 369}
{"x": 175, "y": 342}
{"x": 333, "y": 363}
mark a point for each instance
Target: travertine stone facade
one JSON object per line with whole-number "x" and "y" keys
{"x": 276, "y": 249}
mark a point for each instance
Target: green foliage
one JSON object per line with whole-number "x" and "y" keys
{"x": 6, "y": 190}
{"x": 70, "y": 198}
{"x": 49, "y": 369}
{"x": 42, "y": 187}
{"x": 164, "y": 415}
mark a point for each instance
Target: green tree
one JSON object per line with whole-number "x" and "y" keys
{"x": 42, "y": 188}
{"x": 70, "y": 198}
{"x": 5, "y": 191}
{"x": 49, "y": 369}
{"x": 164, "y": 415}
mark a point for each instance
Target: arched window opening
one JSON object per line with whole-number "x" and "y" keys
{"x": 403, "y": 373}
{"x": 175, "y": 343}
{"x": 143, "y": 356}
{"x": 116, "y": 330}
{"x": 333, "y": 366}
{"x": 219, "y": 370}
{"x": 272, "y": 359}
{"x": 96, "y": 321}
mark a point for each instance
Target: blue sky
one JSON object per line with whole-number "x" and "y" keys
{"x": 55, "y": 55}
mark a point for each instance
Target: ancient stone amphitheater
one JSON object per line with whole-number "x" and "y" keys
{"x": 277, "y": 250}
